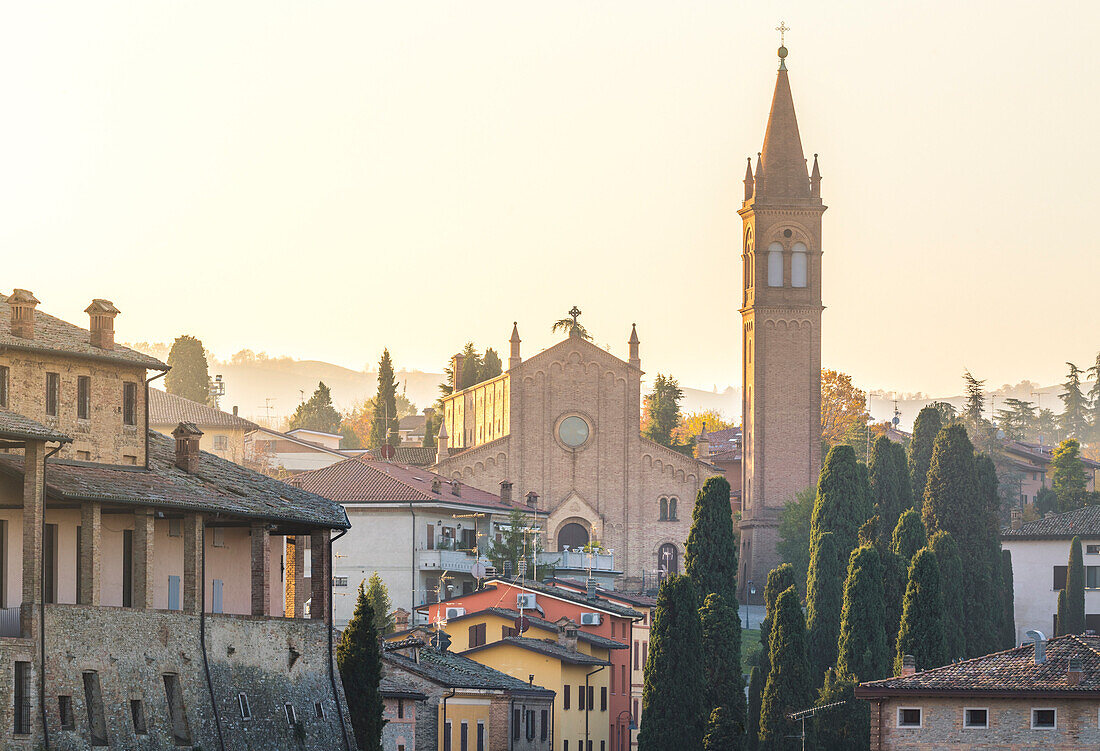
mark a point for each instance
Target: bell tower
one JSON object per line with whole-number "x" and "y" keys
{"x": 780, "y": 335}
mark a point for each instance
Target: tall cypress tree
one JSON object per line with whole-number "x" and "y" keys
{"x": 951, "y": 579}
{"x": 1063, "y": 614}
{"x": 908, "y": 537}
{"x": 1075, "y": 591}
{"x": 1008, "y": 606}
{"x": 752, "y": 723}
{"x": 921, "y": 633}
{"x": 894, "y": 575}
{"x": 788, "y": 688}
{"x": 887, "y": 483}
{"x": 360, "y": 661}
{"x": 927, "y": 426}
{"x": 780, "y": 579}
{"x": 721, "y": 644}
{"x": 824, "y": 599}
{"x": 710, "y": 555}
{"x": 723, "y": 732}
{"x": 901, "y": 467}
{"x": 952, "y": 488}
{"x": 842, "y": 505}
{"x": 983, "y": 558}
{"x": 673, "y": 691}
{"x": 383, "y": 428}
{"x": 189, "y": 376}
{"x": 846, "y": 728}
{"x": 863, "y": 653}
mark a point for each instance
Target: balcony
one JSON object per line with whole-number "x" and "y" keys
{"x": 455, "y": 561}
{"x": 575, "y": 560}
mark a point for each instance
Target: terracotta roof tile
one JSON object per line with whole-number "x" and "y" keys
{"x": 16, "y": 427}
{"x": 1084, "y": 522}
{"x": 546, "y": 647}
{"x": 170, "y": 409}
{"x": 455, "y": 671}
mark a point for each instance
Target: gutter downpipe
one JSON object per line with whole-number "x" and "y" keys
{"x": 511, "y": 717}
{"x": 202, "y": 629}
{"x": 588, "y": 704}
{"x": 331, "y": 660}
{"x": 147, "y": 382}
{"x": 444, "y": 728}
{"x": 42, "y": 613}
{"x": 412, "y": 609}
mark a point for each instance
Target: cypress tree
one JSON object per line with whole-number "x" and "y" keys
{"x": 723, "y": 732}
{"x": 894, "y": 574}
{"x": 824, "y": 599}
{"x": 383, "y": 427}
{"x": 721, "y": 644}
{"x": 921, "y": 633}
{"x": 1063, "y": 615}
{"x": 842, "y": 505}
{"x": 952, "y": 488}
{"x": 983, "y": 558}
{"x": 673, "y": 691}
{"x": 863, "y": 653}
{"x": 908, "y": 537}
{"x": 846, "y": 728}
{"x": 1008, "y": 606}
{"x": 901, "y": 468}
{"x": 1075, "y": 592}
{"x": 710, "y": 555}
{"x": 360, "y": 661}
{"x": 887, "y": 483}
{"x": 780, "y": 579}
{"x": 752, "y": 722}
{"x": 788, "y": 688}
{"x": 951, "y": 578}
{"x": 189, "y": 376}
{"x": 927, "y": 426}
{"x": 379, "y": 598}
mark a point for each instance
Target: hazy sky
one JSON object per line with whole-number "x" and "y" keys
{"x": 323, "y": 179}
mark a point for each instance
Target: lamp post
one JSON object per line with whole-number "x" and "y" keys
{"x": 629, "y": 728}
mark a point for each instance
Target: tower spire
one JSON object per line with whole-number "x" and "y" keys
{"x": 783, "y": 160}
{"x": 749, "y": 183}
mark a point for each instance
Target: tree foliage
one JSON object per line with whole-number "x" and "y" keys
{"x": 317, "y": 413}
{"x": 780, "y": 579}
{"x": 721, "y": 646}
{"x": 379, "y": 598}
{"x": 951, "y": 489}
{"x": 189, "y": 376}
{"x": 794, "y": 534}
{"x": 1074, "y": 420}
{"x": 1008, "y": 605}
{"x": 661, "y": 413}
{"x": 842, "y": 504}
{"x": 863, "y": 652}
{"x": 691, "y": 425}
{"x": 951, "y": 581}
{"x": 1068, "y": 478}
{"x": 843, "y": 406}
{"x": 385, "y": 421}
{"x": 846, "y": 728}
{"x": 824, "y": 602}
{"x": 1074, "y": 622}
{"x": 922, "y": 633}
{"x": 571, "y": 326}
{"x": 360, "y": 661}
{"x": 981, "y": 562}
{"x": 908, "y": 537}
{"x": 975, "y": 397}
{"x": 890, "y": 492}
{"x": 515, "y": 543}
{"x": 710, "y": 554}
{"x": 788, "y": 688}
{"x": 927, "y": 426}
{"x": 752, "y": 723}
{"x": 723, "y": 732}
{"x": 673, "y": 691}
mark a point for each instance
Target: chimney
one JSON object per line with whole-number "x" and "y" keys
{"x": 590, "y": 589}
{"x": 1074, "y": 673}
{"x": 455, "y": 488}
{"x": 567, "y": 634}
{"x": 437, "y": 485}
{"x": 101, "y": 315}
{"x": 401, "y": 619}
{"x": 234, "y": 410}
{"x": 702, "y": 445}
{"x": 22, "y": 304}
{"x": 187, "y": 437}
{"x": 1040, "y": 645}
{"x": 505, "y": 492}
{"x": 1017, "y": 517}
{"x": 533, "y": 499}
{"x": 456, "y": 370}
{"x": 908, "y": 665}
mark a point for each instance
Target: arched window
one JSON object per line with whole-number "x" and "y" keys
{"x": 672, "y": 509}
{"x": 664, "y": 510}
{"x": 798, "y": 265}
{"x": 668, "y": 560}
{"x": 572, "y": 535}
{"x": 775, "y": 265}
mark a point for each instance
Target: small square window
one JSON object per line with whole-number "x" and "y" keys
{"x": 909, "y": 717}
{"x": 246, "y": 710}
{"x": 217, "y": 537}
{"x": 221, "y": 443}
{"x": 1092, "y": 550}
{"x": 1044, "y": 719}
{"x": 175, "y": 528}
{"x": 975, "y": 718}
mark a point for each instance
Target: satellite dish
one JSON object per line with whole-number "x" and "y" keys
{"x": 386, "y": 451}
{"x": 478, "y": 570}
{"x": 522, "y": 624}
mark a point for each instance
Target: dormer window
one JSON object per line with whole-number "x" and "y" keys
{"x": 775, "y": 265}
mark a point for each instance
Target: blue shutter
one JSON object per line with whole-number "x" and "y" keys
{"x": 173, "y": 593}
{"x": 217, "y": 596}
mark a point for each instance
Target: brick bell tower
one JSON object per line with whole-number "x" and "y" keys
{"x": 780, "y": 335}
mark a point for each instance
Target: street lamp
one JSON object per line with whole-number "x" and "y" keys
{"x": 631, "y": 727}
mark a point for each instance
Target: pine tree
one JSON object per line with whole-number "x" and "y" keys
{"x": 975, "y": 397}
{"x": 921, "y": 633}
{"x": 863, "y": 652}
{"x": 788, "y": 688}
{"x": 317, "y": 412}
{"x": 661, "y": 412}
{"x": 189, "y": 376}
{"x": 383, "y": 427}
{"x": 752, "y": 722}
{"x": 723, "y": 733}
{"x": 673, "y": 692}
{"x": 824, "y": 601}
{"x": 927, "y": 426}
{"x": 710, "y": 555}
{"x": 360, "y": 661}
{"x": 1008, "y": 606}
{"x": 888, "y": 483}
{"x": 1094, "y": 399}
{"x": 1067, "y": 475}
{"x": 1074, "y": 420}
{"x": 721, "y": 644}
{"x": 846, "y": 728}
{"x": 951, "y": 579}
{"x": 1075, "y": 592}
{"x": 908, "y": 537}
{"x": 379, "y": 598}
{"x": 780, "y": 579}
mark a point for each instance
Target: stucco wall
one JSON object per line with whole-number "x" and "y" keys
{"x": 1034, "y": 596}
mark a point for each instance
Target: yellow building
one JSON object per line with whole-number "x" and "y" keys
{"x": 222, "y": 433}
{"x": 577, "y": 671}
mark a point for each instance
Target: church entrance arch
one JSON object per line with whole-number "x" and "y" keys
{"x": 572, "y": 535}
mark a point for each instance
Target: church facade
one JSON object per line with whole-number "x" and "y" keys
{"x": 781, "y": 335}
{"x": 566, "y": 425}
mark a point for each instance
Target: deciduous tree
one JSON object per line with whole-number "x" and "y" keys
{"x": 691, "y": 425}
{"x": 788, "y": 688}
{"x": 190, "y": 373}
{"x": 843, "y": 406}
{"x": 360, "y": 661}
{"x": 922, "y": 633}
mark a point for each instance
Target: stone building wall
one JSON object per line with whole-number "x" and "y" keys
{"x": 1009, "y": 725}
{"x": 272, "y": 661}
{"x": 399, "y": 732}
{"x": 103, "y": 436}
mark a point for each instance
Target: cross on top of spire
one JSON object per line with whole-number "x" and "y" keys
{"x": 575, "y": 313}
{"x": 782, "y": 28}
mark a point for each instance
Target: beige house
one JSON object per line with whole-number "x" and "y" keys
{"x": 565, "y": 425}
{"x": 222, "y": 433}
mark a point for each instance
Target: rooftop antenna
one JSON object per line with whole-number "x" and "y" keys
{"x": 897, "y": 415}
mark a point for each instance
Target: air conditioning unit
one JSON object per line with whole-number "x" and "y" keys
{"x": 591, "y": 619}
{"x": 455, "y": 612}
{"x": 525, "y": 601}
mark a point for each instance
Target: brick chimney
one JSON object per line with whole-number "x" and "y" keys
{"x": 533, "y": 499}
{"x": 1017, "y": 517}
{"x": 401, "y": 619}
{"x": 1074, "y": 672}
{"x": 908, "y": 665}
{"x": 187, "y": 437}
{"x": 22, "y": 304}
{"x": 505, "y": 491}
{"x": 567, "y": 633}
{"x": 101, "y": 314}
{"x": 702, "y": 445}
{"x": 456, "y": 370}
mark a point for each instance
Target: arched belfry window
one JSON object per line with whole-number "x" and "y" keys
{"x": 672, "y": 509}
{"x": 798, "y": 265}
{"x": 775, "y": 265}
{"x": 664, "y": 510}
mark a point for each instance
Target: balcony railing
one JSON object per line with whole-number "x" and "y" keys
{"x": 577, "y": 560}
{"x": 449, "y": 560}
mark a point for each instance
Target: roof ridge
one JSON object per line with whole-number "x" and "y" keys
{"x": 367, "y": 463}
{"x": 952, "y": 665}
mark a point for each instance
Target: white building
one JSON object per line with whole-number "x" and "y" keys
{"x": 421, "y": 532}
{"x": 293, "y": 452}
{"x": 1040, "y": 554}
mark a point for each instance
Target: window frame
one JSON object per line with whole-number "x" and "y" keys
{"x": 775, "y": 265}
{"x": 1044, "y": 709}
{"x": 83, "y": 397}
{"x": 53, "y": 394}
{"x": 920, "y": 722}
{"x": 5, "y": 376}
{"x": 966, "y": 719}
{"x": 129, "y": 403}
{"x": 800, "y": 253}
